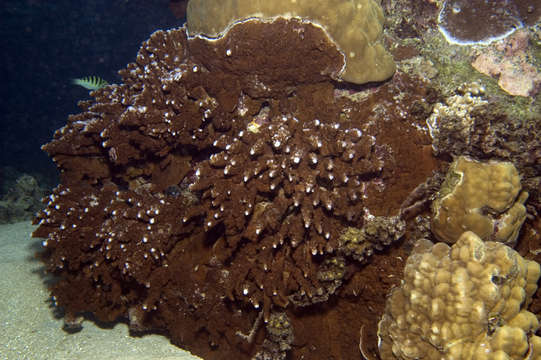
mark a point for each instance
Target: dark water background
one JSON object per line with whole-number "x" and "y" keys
{"x": 46, "y": 43}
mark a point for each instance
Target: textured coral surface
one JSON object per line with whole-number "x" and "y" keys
{"x": 210, "y": 189}
{"x": 356, "y": 26}
{"x": 485, "y": 198}
{"x": 462, "y": 302}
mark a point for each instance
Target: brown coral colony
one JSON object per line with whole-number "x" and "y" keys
{"x": 218, "y": 178}
{"x": 292, "y": 177}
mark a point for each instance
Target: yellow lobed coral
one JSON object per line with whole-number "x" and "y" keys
{"x": 467, "y": 301}
{"x": 356, "y": 26}
{"x": 483, "y": 197}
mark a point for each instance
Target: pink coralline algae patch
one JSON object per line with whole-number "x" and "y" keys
{"x": 507, "y": 60}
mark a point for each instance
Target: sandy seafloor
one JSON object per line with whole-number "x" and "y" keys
{"x": 29, "y": 328}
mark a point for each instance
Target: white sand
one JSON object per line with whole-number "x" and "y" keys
{"x": 29, "y": 329}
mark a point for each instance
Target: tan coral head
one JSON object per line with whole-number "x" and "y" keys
{"x": 355, "y": 26}
{"x": 483, "y": 197}
{"x": 467, "y": 301}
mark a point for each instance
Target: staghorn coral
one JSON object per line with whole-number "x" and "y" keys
{"x": 294, "y": 182}
{"x": 467, "y": 301}
{"x": 105, "y": 233}
{"x": 148, "y": 164}
{"x": 356, "y": 28}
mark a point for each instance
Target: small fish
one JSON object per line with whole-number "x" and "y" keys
{"x": 90, "y": 82}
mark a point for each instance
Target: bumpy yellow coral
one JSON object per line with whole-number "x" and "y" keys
{"x": 355, "y": 25}
{"x": 467, "y": 301}
{"x": 485, "y": 198}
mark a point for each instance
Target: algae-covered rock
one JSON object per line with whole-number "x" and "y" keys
{"x": 377, "y": 232}
{"x": 22, "y": 201}
{"x": 451, "y": 123}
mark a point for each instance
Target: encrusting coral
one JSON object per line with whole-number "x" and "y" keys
{"x": 508, "y": 61}
{"x": 461, "y": 21}
{"x": 356, "y": 28}
{"x": 467, "y": 301}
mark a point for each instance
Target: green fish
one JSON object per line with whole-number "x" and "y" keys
{"x": 90, "y": 82}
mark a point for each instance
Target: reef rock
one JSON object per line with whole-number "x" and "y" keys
{"x": 376, "y": 233}
{"x": 451, "y": 123}
{"x": 22, "y": 201}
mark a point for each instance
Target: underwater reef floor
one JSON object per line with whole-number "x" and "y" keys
{"x": 31, "y": 329}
